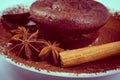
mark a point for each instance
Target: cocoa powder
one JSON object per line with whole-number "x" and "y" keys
{"x": 108, "y": 33}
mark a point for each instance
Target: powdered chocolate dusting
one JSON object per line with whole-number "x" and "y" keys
{"x": 109, "y": 33}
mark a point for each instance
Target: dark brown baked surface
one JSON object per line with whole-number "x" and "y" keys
{"x": 69, "y": 16}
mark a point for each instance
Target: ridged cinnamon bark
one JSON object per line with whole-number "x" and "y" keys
{"x": 88, "y": 54}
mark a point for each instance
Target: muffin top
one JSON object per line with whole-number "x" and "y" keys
{"x": 76, "y": 16}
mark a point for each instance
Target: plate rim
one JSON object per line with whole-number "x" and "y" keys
{"x": 57, "y": 73}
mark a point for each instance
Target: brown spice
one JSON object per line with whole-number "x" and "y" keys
{"x": 109, "y": 33}
{"x": 25, "y": 44}
{"x": 51, "y": 50}
{"x": 88, "y": 54}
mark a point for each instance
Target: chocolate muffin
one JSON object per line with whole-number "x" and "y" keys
{"x": 15, "y": 16}
{"x": 62, "y": 19}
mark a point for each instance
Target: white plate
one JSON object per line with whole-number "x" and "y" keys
{"x": 111, "y": 4}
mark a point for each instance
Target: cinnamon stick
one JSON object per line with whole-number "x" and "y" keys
{"x": 88, "y": 54}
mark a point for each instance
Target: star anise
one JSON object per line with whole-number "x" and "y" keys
{"x": 25, "y": 43}
{"x": 19, "y": 32}
{"x": 50, "y": 48}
